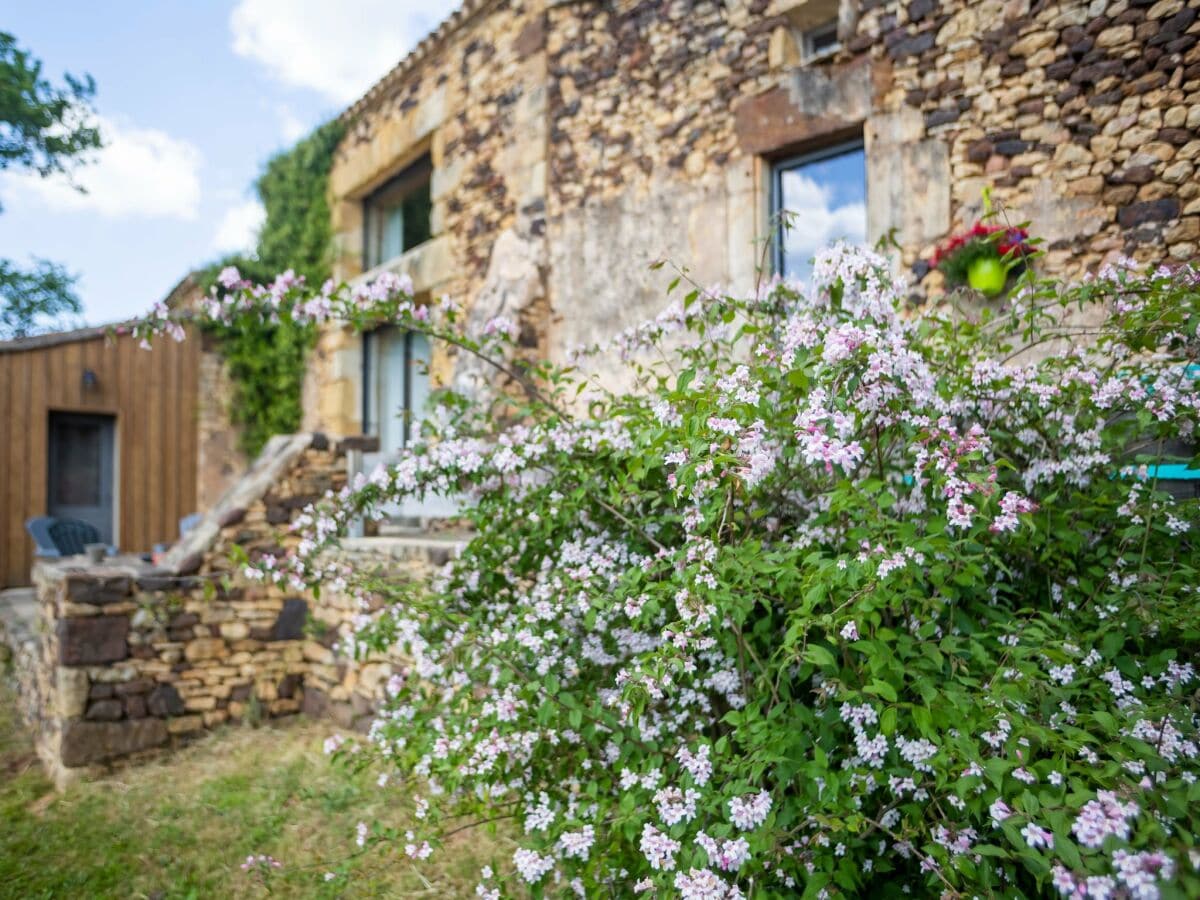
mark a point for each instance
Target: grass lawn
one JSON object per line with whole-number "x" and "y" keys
{"x": 182, "y": 826}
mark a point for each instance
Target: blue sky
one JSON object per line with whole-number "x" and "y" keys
{"x": 193, "y": 97}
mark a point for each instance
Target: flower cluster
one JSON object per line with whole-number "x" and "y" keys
{"x": 982, "y": 247}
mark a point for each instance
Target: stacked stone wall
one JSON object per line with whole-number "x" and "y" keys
{"x": 129, "y": 658}
{"x": 1083, "y": 117}
{"x": 338, "y": 684}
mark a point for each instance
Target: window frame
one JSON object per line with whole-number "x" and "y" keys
{"x": 808, "y": 52}
{"x": 414, "y": 177}
{"x": 794, "y": 161}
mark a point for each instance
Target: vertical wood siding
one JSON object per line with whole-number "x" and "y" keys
{"x": 152, "y": 393}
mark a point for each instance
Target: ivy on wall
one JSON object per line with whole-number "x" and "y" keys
{"x": 267, "y": 363}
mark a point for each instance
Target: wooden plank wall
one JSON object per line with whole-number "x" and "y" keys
{"x": 152, "y": 393}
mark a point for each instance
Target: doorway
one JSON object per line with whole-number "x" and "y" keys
{"x": 82, "y": 470}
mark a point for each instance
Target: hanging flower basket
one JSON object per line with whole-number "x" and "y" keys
{"x": 985, "y": 257}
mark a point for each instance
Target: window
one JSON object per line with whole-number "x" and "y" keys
{"x": 396, "y": 217}
{"x": 82, "y": 470}
{"x": 818, "y": 198}
{"x": 396, "y": 391}
{"x": 396, "y": 386}
{"x": 821, "y": 41}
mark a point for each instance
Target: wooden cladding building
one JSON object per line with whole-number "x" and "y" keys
{"x": 93, "y": 427}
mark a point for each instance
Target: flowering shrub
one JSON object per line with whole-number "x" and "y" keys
{"x": 838, "y": 602}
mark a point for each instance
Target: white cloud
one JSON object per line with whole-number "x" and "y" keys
{"x": 239, "y": 227}
{"x": 817, "y": 222}
{"x": 338, "y": 49}
{"x": 138, "y": 172}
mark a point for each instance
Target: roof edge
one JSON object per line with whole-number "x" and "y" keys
{"x": 178, "y": 293}
{"x": 57, "y": 338}
{"x": 426, "y": 47}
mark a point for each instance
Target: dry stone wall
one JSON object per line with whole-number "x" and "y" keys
{"x": 128, "y": 657}
{"x": 338, "y": 684}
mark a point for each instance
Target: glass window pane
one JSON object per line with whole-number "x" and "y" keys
{"x": 392, "y": 240}
{"x": 416, "y": 207}
{"x": 398, "y": 214}
{"x": 827, "y": 200}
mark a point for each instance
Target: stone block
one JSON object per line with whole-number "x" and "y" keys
{"x": 109, "y": 710}
{"x": 817, "y": 102}
{"x": 314, "y": 652}
{"x": 284, "y": 706}
{"x": 289, "y": 626}
{"x": 205, "y": 648}
{"x": 241, "y": 692}
{"x": 135, "y": 706}
{"x": 97, "y": 590}
{"x": 137, "y": 686}
{"x": 88, "y": 742}
{"x": 183, "y": 620}
{"x": 235, "y": 631}
{"x": 182, "y": 724}
{"x": 1148, "y": 212}
{"x": 165, "y": 701}
{"x": 98, "y": 639}
{"x": 1188, "y": 229}
{"x": 200, "y": 704}
{"x": 288, "y": 686}
{"x": 315, "y": 703}
{"x": 215, "y": 717}
{"x": 71, "y": 691}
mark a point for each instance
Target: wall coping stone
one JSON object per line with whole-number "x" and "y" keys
{"x": 276, "y": 457}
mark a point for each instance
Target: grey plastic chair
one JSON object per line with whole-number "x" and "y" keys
{"x": 39, "y": 529}
{"x": 70, "y": 536}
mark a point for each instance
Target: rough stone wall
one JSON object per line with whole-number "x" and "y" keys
{"x": 621, "y": 132}
{"x": 130, "y": 657}
{"x": 477, "y": 106}
{"x": 219, "y": 459}
{"x": 645, "y": 156}
{"x": 337, "y": 685}
{"x": 1083, "y": 117}
{"x": 119, "y": 660}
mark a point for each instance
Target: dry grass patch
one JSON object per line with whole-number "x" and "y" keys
{"x": 180, "y": 827}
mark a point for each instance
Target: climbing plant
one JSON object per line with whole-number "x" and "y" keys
{"x": 266, "y": 359}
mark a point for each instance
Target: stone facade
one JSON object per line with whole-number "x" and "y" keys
{"x": 124, "y": 658}
{"x": 219, "y": 457}
{"x": 573, "y": 142}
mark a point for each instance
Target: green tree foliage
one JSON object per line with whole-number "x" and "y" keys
{"x": 30, "y": 296}
{"x": 267, "y": 361}
{"x": 45, "y": 129}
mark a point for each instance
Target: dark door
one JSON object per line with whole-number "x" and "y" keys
{"x": 82, "y": 470}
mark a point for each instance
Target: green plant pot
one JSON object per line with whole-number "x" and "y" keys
{"x": 988, "y": 276}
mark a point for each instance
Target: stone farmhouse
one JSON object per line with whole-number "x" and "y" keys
{"x": 533, "y": 157}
